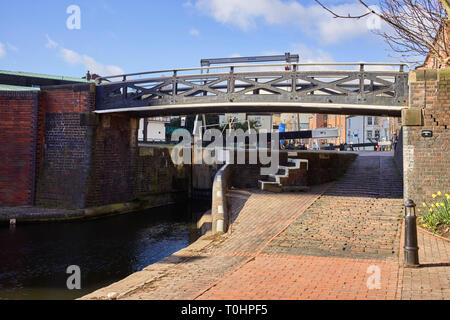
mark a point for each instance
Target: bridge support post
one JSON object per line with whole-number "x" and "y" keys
{"x": 426, "y": 135}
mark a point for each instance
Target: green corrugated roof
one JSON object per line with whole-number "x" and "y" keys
{"x": 43, "y": 76}
{"x": 7, "y": 87}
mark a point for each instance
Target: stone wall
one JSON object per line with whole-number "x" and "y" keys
{"x": 324, "y": 166}
{"x": 156, "y": 174}
{"x": 426, "y": 160}
{"x": 18, "y": 145}
{"x": 113, "y": 166}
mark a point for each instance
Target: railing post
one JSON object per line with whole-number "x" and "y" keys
{"x": 174, "y": 84}
{"x": 361, "y": 80}
{"x": 294, "y": 79}
{"x": 231, "y": 84}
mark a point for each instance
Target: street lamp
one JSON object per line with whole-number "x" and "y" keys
{"x": 411, "y": 249}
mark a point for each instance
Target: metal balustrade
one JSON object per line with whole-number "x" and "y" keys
{"x": 257, "y": 88}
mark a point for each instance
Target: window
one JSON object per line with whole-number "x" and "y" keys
{"x": 369, "y": 134}
{"x": 369, "y": 121}
{"x": 375, "y": 121}
{"x": 349, "y": 134}
{"x": 377, "y": 134}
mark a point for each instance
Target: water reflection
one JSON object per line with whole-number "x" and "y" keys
{"x": 34, "y": 258}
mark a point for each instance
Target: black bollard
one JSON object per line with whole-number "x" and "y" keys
{"x": 411, "y": 249}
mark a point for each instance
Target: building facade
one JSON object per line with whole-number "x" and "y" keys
{"x": 368, "y": 129}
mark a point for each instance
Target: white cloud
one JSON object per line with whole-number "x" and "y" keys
{"x": 188, "y": 4}
{"x": 89, "y": 63}
{"x": 311, "y": 19}
{"x": 12, "y": 47}
{"x": 2, "y": 50}
{"x": 50, "y": 43}
{"x": 194, "y": 32}
{"x": 74, "y": 58}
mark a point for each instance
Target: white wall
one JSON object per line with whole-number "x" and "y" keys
{"x": 155, "y": 131}
{"x": 359, "y": 128}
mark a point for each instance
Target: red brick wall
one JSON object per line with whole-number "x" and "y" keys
{"x": 431, "y": 61}
{"x": 18, "y": 125}
{"x": 64, "y": 145}
{"x": 426, "y": 161}
{"x": 113, "y": 164}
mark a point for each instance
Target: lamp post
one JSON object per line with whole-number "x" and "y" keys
{"x": 411, "y": 249}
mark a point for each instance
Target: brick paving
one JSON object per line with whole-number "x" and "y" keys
{"x": 359, "y": 216}
{"x": 328, "y": 251}
{"x": 190, "y": 271}
{"x": 328, "y": 243}
{"x": 284, "y": 277}
{"x": 432, "y": 279}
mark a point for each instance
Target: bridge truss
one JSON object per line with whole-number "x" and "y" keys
{"x": 219, "y": 89}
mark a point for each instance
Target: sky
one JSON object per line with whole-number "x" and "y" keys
{"x": 111, "y": 37}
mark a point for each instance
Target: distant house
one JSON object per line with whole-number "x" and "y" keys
{"x": 443, "y": 37}
{"x": 155, "y": 130}
{"x": 368, "y": 129}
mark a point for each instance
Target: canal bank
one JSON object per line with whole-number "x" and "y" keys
{"x": 32, "y": 214}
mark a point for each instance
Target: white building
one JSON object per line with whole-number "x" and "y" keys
{"x": 156, "y": 129}
{"x": 367, "y": 129}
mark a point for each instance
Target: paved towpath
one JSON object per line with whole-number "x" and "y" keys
{"x": 338, "y": 241}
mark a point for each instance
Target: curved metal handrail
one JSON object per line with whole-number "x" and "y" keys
{"x": 294, "y": 66}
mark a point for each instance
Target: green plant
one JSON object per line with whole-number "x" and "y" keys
{"x": 436, "y": 213}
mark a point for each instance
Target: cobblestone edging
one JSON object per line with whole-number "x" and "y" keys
{"x": 432, "y": 234}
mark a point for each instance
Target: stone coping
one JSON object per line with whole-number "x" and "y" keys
{"x": 432, "y": 234}
{"x": 31, "y": 214}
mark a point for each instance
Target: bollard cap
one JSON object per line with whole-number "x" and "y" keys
{"x": 409, "y": 203}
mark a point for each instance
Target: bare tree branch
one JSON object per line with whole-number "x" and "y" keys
{"x": 417, "y": 27}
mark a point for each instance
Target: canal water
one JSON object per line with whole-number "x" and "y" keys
{"x": 34, "y": 258}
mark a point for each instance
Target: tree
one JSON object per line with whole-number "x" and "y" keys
{"x": 418, "y": 27}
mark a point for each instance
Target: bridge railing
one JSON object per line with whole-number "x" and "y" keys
{"x": 359, "y": 83}
{"x": 362, "y": 66}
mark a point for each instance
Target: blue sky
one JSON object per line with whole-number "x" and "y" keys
{"x": 137, "y": 35}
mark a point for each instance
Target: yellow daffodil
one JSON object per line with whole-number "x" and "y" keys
{"x": 442, "y": 204}
{"x": 431, "y": 210}
{"x": 439, "y": 193}
{"x": 424, "y": 204}
{"x": 418, "y": 210}
{"x": 434, "y": 196}
{"x": 433, "y": 205}
{"x": 424, "y": 225}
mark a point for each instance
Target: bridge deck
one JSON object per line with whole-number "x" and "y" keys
{"x": 256, "y": 89}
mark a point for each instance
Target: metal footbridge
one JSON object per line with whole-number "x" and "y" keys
{"x": 379, "y": 89}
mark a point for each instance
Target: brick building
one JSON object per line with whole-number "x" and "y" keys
{"x": 329, "y": 121}
{"x": 431, "y": 61}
